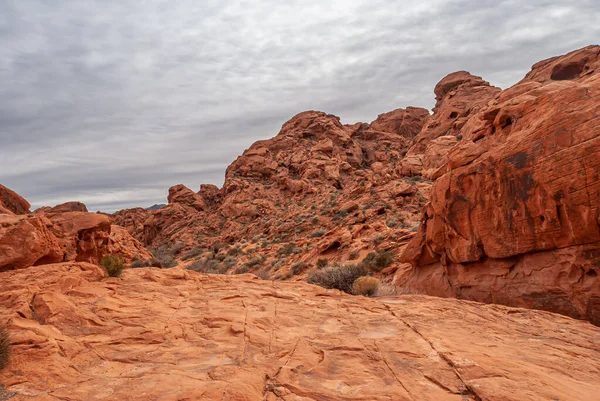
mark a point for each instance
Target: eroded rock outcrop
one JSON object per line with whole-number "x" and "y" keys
{"x": 514, "y": 218}
{"x": 57, "y": 234}
{"x": 316, "y": 176}
{"x": 11, "y": 202}
{"x": 64, "y": 207}
{"x": 239, "y": 338}
{"x": 459, "y": 96}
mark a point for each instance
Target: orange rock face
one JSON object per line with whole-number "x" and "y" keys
{"x": 51, "y": 236}
{"x": 514, "y": 218}
{"x": 324, "y": 187}
{"x": 458, "y": 96}
{"x": 27, "y": 241}
{"x": 171, "y": 335}
{"x": 64, "y": 207}
{"x": 11, "y": 202}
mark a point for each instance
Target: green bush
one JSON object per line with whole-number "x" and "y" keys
{"x": 113, "y": 264}
{"x": 4, "y": 347}
{"x": 340, "y": 277}
{"x": 377, "y": 261}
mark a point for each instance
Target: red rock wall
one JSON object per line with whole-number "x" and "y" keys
{"x": 514, "y": 218}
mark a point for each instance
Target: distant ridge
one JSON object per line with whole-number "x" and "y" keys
{"x": 156, "y": 206}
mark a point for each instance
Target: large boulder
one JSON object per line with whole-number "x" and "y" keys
{"x": 515, "y": 216}
{"x": 185, "y": 196}
{"x": 27, "y": 241}
{"x": 11, "y": 202}
{"x": 64, "y": 207}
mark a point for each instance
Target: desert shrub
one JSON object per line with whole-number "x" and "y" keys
{"x": 235, "y": 251}
{"x": 340, "y": 277}
{"x": 319, "y": 232}
{"x": 340, "y": 214}
{"x": 365, "y": 285}
{"x": 192, "y": 253}
{"x": 298, "y": 268}
{"x": 208, "y": 266}
{"x": 138, "y": 263}
{"x": 377, "y": 239}
{"x": 263, "y": 274}
{"x": 377, "y": 261}
{"x": 113, "y": 264}
{"x": 386, "y": 290}
{"x": 415, "y": 227}
{"x": 164, "y": 256}
{"x": 413, "y": 180}
{"x": 288, "y": 249}
{"x": 229, "y": 261}
{"x": 4, "y": 347}
{"x": 277, "y": 263}
{"x": 220, "y": 257}
{"x": 242, "y": 269}
{"x": 353, "y": 255}
{"x": 391, "y": 223}
{"x": 255, "y": 261}
{"x": 177, "y": 248}
{"x": 321, "y": 263}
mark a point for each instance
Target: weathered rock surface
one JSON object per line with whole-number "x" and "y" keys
{"x": 51, "y": 236}
{"x": 514, "y": 218}
{"x": 64, "y": 207}
{"x": 26, "y": 241}
{"x": 11, "y": 202}
{"x": 176, "y": 335}
{"x": 122, "y": 243}
{"x": 320, "y": 185}
{"x": 459, "y": 96}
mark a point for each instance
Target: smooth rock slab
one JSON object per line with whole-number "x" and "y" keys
{"x": 176, "y": 335}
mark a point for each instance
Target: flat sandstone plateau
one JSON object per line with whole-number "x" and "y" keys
{"x": 178, "y": 335}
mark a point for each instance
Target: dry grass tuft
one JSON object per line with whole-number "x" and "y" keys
{"x": 113, "y": 264}
{"x": 365, "y": 285}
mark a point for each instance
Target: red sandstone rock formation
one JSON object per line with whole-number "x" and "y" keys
{"x": 514, "y": 219}
{"x": 11, "y": 202}
{"x": 325, "y": 187}
{"x": 51, "y": 236}
{"x": 459, "y": 96}
{"x": 171, "y": 335}
{"x": 64, "y": 207}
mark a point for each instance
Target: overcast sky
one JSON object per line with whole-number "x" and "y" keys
{"x": 111, "y": 102}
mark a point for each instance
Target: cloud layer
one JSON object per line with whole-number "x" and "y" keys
{"x": 110, "y": 103}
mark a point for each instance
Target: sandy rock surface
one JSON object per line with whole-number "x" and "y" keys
{"x": 175, "y": 335}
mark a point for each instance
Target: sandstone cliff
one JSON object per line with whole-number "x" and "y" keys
{"x": 514, "y": 215}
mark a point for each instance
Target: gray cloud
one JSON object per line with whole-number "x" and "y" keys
{"x": 110, "y": 103}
